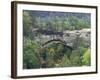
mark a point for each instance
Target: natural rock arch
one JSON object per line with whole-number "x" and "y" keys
{"x": 57, "y": 41}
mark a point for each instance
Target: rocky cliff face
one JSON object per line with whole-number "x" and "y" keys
{"x": 72, "y": 38}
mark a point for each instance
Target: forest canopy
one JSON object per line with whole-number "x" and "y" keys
{"x": 39, "y": 23}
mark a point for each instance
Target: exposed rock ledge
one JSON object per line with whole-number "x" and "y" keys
{"x": 71, "y": 37}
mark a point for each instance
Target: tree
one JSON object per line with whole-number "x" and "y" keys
{"x": 66, "y": 24}
{"x": 26, "y": 23}
{"x": 86, "y": 58}
{"x": 82, "y": 24}
{"x": 30, "y": 54}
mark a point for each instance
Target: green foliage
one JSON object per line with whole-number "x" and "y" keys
{"x": 65, "y": 62}
{"x": 73, "y": 22}
{"x": 83, "y": 24}
{"x": 55, "y": 54}
{"x": 26, "y": 23}
{"x": 30, "y": 57}
{"x": 86, "y": 58}
{"x": 57, "y": 23}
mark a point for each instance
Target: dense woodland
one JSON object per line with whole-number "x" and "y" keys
{"x": 55, "y": 54}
